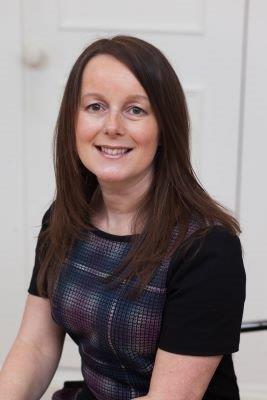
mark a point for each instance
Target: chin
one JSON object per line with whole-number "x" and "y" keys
{"x": 110, "y": 179}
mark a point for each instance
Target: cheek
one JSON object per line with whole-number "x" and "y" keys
{"x": 85, "y": 128}
{"x": 147, "y": 137}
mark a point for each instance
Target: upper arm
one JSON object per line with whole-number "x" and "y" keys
{"x": 37, "y": 326}
{"x": 39, "y": 329}
{"x": 201, "y": 319}
{"x": 205, "y": 300}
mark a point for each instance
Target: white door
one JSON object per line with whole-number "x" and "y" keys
{"x": 203, "y": 41}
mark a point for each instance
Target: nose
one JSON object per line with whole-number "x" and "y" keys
{"x": 113, "y": 125}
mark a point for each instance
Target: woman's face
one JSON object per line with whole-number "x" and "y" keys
{"x": 116, "y": 132}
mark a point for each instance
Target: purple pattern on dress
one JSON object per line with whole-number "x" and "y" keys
{"x": 117, "y": 337}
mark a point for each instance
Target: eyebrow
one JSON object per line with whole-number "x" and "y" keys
{"x": 132, "y": 96}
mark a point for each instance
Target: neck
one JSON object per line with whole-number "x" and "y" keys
{"x": 120, "y": 203}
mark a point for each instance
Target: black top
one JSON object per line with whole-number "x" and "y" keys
{"x": 191, "y": 307}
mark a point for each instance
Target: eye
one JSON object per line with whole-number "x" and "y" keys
{"x": 94, "y": 107}
{"x": 137, "y": 110}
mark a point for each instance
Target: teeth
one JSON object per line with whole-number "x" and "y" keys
{"x": 113, "y": 151}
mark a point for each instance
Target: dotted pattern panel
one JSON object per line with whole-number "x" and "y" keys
{"x": 117, "y": 337}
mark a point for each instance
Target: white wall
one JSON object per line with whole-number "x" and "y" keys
{"x": 12, "y": 212}
{"x": 251, "y": 361}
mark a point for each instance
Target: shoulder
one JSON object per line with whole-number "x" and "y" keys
{"x": 217, "y": 253}
{"x": 199, "y": 233}
{"x": 220, "y": 240}
{"x": 217, "y": 239}
{"x": 47, "y": 215}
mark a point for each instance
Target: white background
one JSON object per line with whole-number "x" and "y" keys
{"x": 218, "y": 48}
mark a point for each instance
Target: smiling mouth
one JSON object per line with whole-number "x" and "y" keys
{"x": 113, "y": 152}
{"x": 116, "y": 151}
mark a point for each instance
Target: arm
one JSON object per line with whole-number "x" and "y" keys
{"x": 194, "y": 374}
{"x": 201, "y": 320}
{"x": 33, "y": 359}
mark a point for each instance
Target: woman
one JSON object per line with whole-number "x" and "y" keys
{"x": 134, "y": 260}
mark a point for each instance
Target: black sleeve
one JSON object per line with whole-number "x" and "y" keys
{"x": 205, "y": 298}
{"x": 33, "y": 288}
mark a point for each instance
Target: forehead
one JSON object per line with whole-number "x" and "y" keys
{"x": 104, "y": 72}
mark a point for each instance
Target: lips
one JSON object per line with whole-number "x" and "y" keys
{"x": 113, "y": 147}
{"x": 113, "y": 152}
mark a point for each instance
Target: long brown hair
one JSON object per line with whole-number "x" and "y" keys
{"x": 175, "y": 193}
